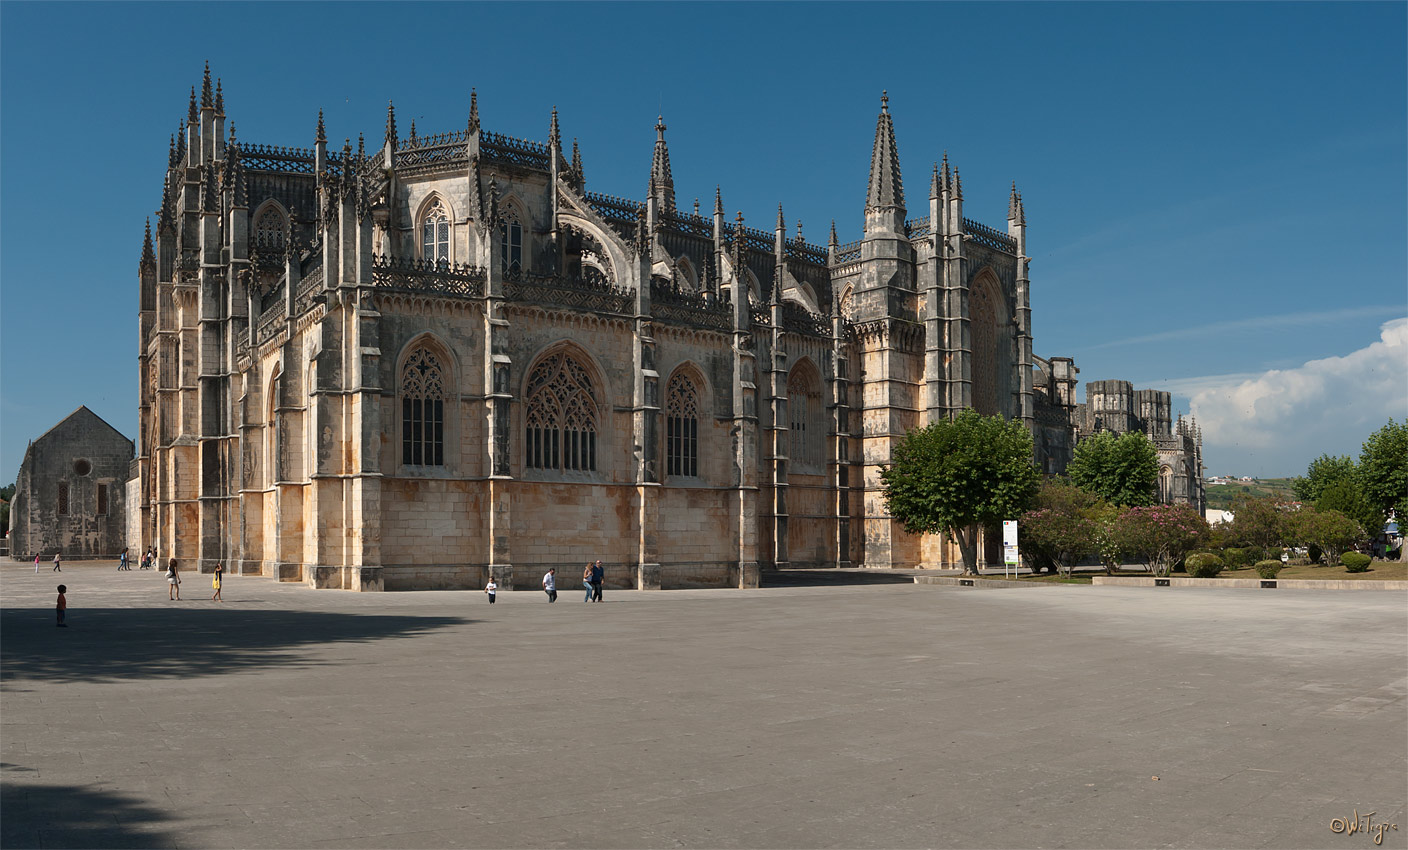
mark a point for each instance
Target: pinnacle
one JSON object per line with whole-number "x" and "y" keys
{"x": 321, "y": 135}
{"x": 718, "y": 201}
{"x": 192, "y": 115}
{"x": 934, "y": 182}
{"x": 219, "y": 98}
{"x": 391, "y": 123}
{"x": 207, "y": 101}
{"x": 781, "y": 223}
{"x": 886, "y": 189}
{"x": 833, "y": 241}
{"x": 473, "y": 110}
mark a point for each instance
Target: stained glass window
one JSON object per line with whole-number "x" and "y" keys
{"x": 422, "y": 410}
{"x": 681, "y": 427}
{"x": 561, "y": 418}
{"x": 435, "y": 234}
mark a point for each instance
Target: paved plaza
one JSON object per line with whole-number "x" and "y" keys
{"x": 870, "y": 715}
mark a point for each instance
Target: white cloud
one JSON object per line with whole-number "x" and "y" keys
{"x": 1285, "y": 417}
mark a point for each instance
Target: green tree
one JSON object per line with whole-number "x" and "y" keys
{"x": 1060, "y": 529}
{"x": 1323, "y": 472}
{"x": 1383, "y": 471}
{"x": 1347, "y": 497}
{"x": 1332, "y": 531}
{"x": 959, "y": 474}
{"x": 1121, "y": 469}
{"x": 1160, "y": 535}
{"x": 1259, "y": 522}
{"x": 7, "y": 495}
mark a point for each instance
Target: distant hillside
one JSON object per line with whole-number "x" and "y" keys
{"x": 1220, "y": 496}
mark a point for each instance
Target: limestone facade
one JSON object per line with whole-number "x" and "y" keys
{"x": 71, "y": 491}
{"x": 416, "y": 365}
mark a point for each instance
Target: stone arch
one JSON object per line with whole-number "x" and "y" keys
{"x": 806, "y": 416}
{"x": 843, "y": 304}
{"x": 426, "y": 398}
{"x": 686, "y": 276}
{"x": 686, "y": 409}
{"x": 268, "y": 225}
{"x": 272, "y": 443}
{"x": 428, "y": 207}
{"x": 990, "y": 361}
{"x": 801, "y": 293}
{"x": 566, "y": 402}
{"x": 515, "y": 234}
{"x": 609, "y": 259}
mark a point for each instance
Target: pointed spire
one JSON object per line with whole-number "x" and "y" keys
{"x": 1021, "y": 210}
{"x": 944, "y": 183}
{"x": 886, "y": 189}
{"x": 180, "y": 142}
{"x": 361, "y": 146}
{"x": 412, "y": 140}
{"x": 171, "y": 153}
{"x": 696, "y": 208}
{"x": 493, "y": 215}
{"x": 934, "y": 183}
{"x": 554, "y": 134}
{"x": 192, "y": 114}
{"x": 800, "y": 240}
{"x": 660, "y": 169}
{"x": 391, "y": 125}
{"x": 148, "y": 261}
{"x": 576, "y": 160}
{"x": 163, "y": 215}
{"x": 1012, "y": 203}
{"x": 209, "y": 202}
{"x": 321, "y": 135}
{"x": 241, "y": 190}
{"x": 473, "y": 111}
{"x": 781, "y": 222}
{"x": 207, "y": 100}
{"x": 833, "y": 243}
{"x": 957, "y": 185}
{"x": 718, "y": 201}
{"x": 219, "y": 99}
{"x": 642, "y": 245}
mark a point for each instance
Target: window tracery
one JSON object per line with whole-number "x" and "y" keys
{"x": 269, "y": 228}
{"x": 682, "y": 427}
{"x": 435, "y": 234}
{"x": 983, "y": 324}
{"x": 511, "y": 243}
{"x": 561, "y": 418}
{"x": 804, "y": 408}
{"x": 423, "y": 410}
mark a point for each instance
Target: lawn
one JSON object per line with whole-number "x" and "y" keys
{"x": 1378, "y": 571}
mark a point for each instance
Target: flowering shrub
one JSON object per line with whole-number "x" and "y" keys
{"x": 1057, "y": 537}
{"x": 1159, "y": 535}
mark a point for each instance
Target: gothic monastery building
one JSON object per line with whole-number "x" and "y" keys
{"x": 410, "y": 365}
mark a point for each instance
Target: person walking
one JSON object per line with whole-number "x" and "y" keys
{"x": 173, "y": 581}
{"x": 550, "y": 584}
{"x": 61, "y": 607}
{"x": 122, "y": 562}
{"x": 57, "y": 568}
{"x": 491, "y": 590}
{"x": 215, "y": 582}
{"x": 146, "y": 559}
{"x": 587, "y": 580}
{"x": 36, "y": 563}
{"x": 598, "y": 576}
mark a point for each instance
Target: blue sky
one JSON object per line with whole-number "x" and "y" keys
{"x": 1215, "y": 192}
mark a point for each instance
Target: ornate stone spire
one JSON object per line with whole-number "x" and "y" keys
{"x": 577, "y": 162}
{"x": 934, "y": 183}
{"x": 493, "y": 214}
{"x": 696, "y": 208}
{"x": 886, "y": 189}
{"x": 181, "y": 140}
{"x": 660, "y": 169}
{"x": 209, "y": 201}
{"x": 945, "y": 185}
{"x": 473, "y": 111}
{"x": 171, "y": 153}
{"x": 207, "y": 100}
{"x": 148, "y": 261}
{"x": 1021, "y": 210}
{"x": 554, "y": 136}
{"x": 412, "y": 140}
{"x": 957, "y": 185}
{"x": 718, "y": 201}
{"x": 321, "y": 135}
{"x": 361, "y": 147}
{"x": 642, "y": 241}
{"x": 800, "y": 240}
{"x": 193, "y": 114}
{"x": 391, "y": 125}
{"x": 781, "y": 222}
{"x": 1012, "y": 203}
{"x": 219, "y": 99}
{"x": 833, "y": 243}
{"x": 237, "y": 167}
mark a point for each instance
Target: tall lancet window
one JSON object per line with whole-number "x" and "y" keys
{"x": 511, "y": 243}
{"x": 269, "y": 228}
{"x": 682, "y": 427}
{"x": 423, "y": 410}
{"x": 435, "y": 234}
{"x": 804, "y": 410}
{"x": 982, "y": 312}
{"x": 561, "y": 418}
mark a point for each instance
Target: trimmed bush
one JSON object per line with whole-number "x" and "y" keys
{"x": 1203, "y": 565}
{"x": 1268, "y": 569}
{"x": 1236, "y": 559}
{"x": 1355, "y": 562}
{"x": 1315, "y": 553}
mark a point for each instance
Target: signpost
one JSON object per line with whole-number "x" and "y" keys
{"x": 1009, "y": 547}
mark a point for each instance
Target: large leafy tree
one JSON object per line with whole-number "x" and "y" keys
{"x": 1332, "y": 531}
{"x": 1121, "y": 469}
{"x": 1323, "y": 472}
{"x": 959, "y": 474}
{"x": 1347, "y": 496}
{"x": 1259, "y": 522}
{"x": 1383, "y": 471}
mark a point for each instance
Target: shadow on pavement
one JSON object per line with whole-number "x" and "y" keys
{"x": 830, "y": 577}
{"x": 110, "y": 644}
{"x": 75, "y": 816}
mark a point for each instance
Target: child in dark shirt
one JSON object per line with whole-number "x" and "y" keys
{"x": 61, "y": 606}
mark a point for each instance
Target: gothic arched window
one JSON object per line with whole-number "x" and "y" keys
{"x": 423, "y": 410}
{"x": 682, "y": 427}
{"x": 804, "y": 407}
{"x": 435, "y": 234}
{"x": 561, "y": 418}
{"x": 511, "y": 243}
{"x": 982, "y": 313}
{"x": 269, "y": 228}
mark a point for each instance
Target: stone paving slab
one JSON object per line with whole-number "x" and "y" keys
{"x": 875, "y": 715}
